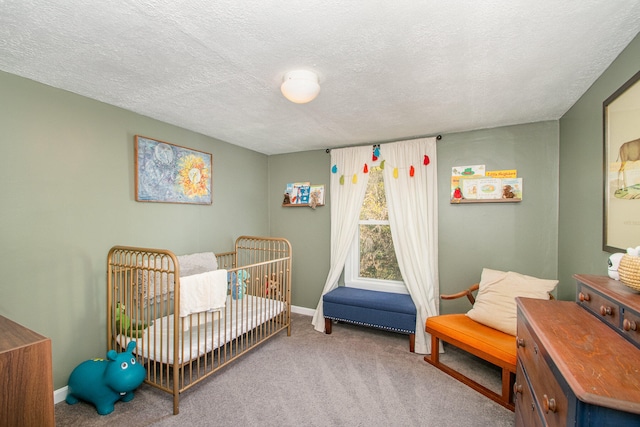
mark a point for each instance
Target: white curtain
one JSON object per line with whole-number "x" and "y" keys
{"x": 348, "y": 185}
{"x": 410, "y": 182}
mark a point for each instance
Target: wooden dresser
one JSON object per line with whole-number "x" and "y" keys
{"x": 579, "y": 362}
{"x": 26, "y": 377}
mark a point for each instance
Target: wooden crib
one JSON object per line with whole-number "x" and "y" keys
{"x": 143, "y": 294}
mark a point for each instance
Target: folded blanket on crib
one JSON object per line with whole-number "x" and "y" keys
{"x": 203, "y": 292}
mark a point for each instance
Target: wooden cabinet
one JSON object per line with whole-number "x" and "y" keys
{"x": 574, "y": 368}
{"x": 26, "y": 383}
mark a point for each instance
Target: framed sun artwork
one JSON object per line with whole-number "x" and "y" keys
{"x": 169, "y": 173}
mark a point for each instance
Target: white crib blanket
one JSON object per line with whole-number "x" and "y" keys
{"x": 203, "y": 292}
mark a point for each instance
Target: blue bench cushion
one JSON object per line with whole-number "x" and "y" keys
{"x": 386, "y": 310}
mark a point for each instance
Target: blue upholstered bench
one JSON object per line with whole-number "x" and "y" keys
{"x": 384, "y": 310}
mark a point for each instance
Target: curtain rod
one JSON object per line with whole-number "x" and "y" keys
{"x": 438, "y": 138}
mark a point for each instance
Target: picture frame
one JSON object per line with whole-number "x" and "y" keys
{"x": 621, "y": 168}
{"x": 170, "y": 173}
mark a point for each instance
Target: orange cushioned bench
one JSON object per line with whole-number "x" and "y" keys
{"x": 487, "y": 343}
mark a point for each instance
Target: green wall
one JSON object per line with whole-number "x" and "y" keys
{"x": 68, "y": 196}
{"x": 520, "y": 236}
{"x": 581, "y": 169}
{"x": 308, "y": 230}
{"x": 510, "y": 236}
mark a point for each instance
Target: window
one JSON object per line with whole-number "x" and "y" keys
{"x": 371, "y": 263}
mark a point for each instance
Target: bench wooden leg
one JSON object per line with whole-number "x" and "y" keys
{"x": 412, "y": 343}
{"x": 327, "y": 326}
{"x": 508, "y": 379}
{"x": 435, "y": 355}
{"x": 505, "y": 399}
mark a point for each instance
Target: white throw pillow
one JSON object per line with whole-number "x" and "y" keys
{"x": 495, "y": 304}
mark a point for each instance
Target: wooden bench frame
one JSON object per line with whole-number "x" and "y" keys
{"x": 505, "y": 398}
{"x": 327, "y": 330}
{"x": 367, "y": 312}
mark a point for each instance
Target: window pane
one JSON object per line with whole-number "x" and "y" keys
{"x": 377, "y": 257}
{"x": 375, "y": 203}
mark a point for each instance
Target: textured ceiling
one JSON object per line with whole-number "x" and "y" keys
{"x": 388, "y": 69}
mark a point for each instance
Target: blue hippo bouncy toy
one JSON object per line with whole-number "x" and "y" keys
{"x": 104, "y": 382}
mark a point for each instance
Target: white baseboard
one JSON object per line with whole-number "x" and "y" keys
{"x": 303, "y": 310}
{"x": 61, "y": 394}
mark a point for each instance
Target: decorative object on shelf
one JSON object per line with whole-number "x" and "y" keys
{"x": 621, "y": 167}
{"x": 613, "y": 264}
{"x": 316, "y": 196}
{"x": 300, "y": 86}
{"x": 629, "y": 268}
{"x": 103, "y": 382}
{"x": 303, "y": 194}
{"x": 169, "y": 173}
{"x": 457, "y": 193}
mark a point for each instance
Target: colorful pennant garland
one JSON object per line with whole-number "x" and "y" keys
{"x": 376, "y": 153}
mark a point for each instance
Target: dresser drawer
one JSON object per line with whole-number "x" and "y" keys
{"x": 547, "y": 393}
{"x": 604, "y": 308}
{"x": 527, "y": 413}
{"x": 631, "y": 326}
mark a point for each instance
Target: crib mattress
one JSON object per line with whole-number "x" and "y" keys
{"x": 205, "y": 332}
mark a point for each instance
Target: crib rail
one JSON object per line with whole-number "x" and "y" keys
{"x": 143, "y": 300}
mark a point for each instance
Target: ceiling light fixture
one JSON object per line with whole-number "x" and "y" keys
{"x": 300, "y": 86}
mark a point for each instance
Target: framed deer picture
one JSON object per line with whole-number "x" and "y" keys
{"x": 622, "y": 167}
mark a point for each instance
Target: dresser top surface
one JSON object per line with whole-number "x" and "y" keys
{"x": 600, "y": 367}
{"x": 14, "y": 335}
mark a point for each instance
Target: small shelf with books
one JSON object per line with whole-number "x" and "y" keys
{"x": 303, "y": 194}
{"x": 463, "y": 201}
{"x": 474, "y": 184}
{"x": 299, "y": 205}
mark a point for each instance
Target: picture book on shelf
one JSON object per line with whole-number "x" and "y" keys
{"x": 459, "y": 172}
{"x": 298, "y": 192}
{"x": 317, "y": 192}
{"x": 512, "y": 187}
{"x": 489, "y": 188}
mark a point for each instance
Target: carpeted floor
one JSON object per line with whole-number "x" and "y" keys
{"x": 356, "y": 376}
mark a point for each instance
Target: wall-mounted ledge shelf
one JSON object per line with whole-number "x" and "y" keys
{"x": 299, "y": 205}
{"x": 465, "y": 201}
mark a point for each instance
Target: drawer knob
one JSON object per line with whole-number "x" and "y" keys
{"x": 549, "y": 404}
{"x": 517, "y": 388}
{"x": 605, "y": 311}
{"x": 629, "y": 325}
{"x": 584, "y": 297}
{"x": 520, "y": 342}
